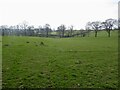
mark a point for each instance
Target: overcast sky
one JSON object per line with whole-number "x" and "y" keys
{"x": 57, "y": 12}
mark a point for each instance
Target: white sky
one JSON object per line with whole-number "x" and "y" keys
{"x": 57, "y": 12}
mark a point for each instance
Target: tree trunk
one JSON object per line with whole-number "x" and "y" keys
{"x": 108, "y": 33}
{"x": 46, "y": 33}
{"x": 95, "y": 33}
{"x": 63, "y": 33}
{"x": 25, "y": 32}
{"x": 3, "y": 32}
{"x": 71, "y": 33}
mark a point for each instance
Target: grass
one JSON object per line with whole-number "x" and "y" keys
{"x": 79, "y": 62}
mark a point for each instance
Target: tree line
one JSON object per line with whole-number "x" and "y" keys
{"x": 62, "y": 31}
{"x": 108, "y": 25}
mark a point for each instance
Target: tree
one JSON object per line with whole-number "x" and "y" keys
{"x": 3, "y": 29}
{"x": 47, "y": 29}
{"x": 41, "y": 31}
{"x": 88, "y": 27}
{"x": 109, "y": 24}
{"x": 17, "y": 28}
{"x": 30, "y": 30}
{"x": 61, "y": 29}
{"x": 12, "y": 30}
{"x": 24, "y": 26}
{"x": 40, "y": 28}
{"x": 36, "y": 31}
{"x": 96, "y": 26}
{"x": 71, "y": 30}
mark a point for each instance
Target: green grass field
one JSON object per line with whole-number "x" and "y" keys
{"x": 79, "y": 62}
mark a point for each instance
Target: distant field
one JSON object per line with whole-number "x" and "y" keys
{"x": 79, "y": 62}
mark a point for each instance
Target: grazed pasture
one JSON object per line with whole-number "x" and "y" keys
{"x": 79, "y": 62}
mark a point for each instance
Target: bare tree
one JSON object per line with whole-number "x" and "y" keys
{"x": 24, "y": 26}
{"x": 30, "y": 30}
{"x": 3, "y": 29}
{"x": 96, "y": 26}
{"x": 17, "y": 29}
{"x": 59, "y": 32}
{"x": 11, "y": 28}
{"x": 88, "y": 28}
{"x": 41, "y": 31}
{"x": 109, "y": 24}
{"x": 71, "y": 30}
{"x": 47, "y": 29}
{"x": 61, "y": 29}
{"x": 40, "y": 28}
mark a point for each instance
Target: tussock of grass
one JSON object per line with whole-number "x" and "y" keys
{"x": 6, "y": 45}
{"x": 27, "y": 42}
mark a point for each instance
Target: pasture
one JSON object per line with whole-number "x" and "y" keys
{"x": 78, "y": 62}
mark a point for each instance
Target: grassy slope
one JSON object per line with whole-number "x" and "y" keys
{"x": 70, "y": 62}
